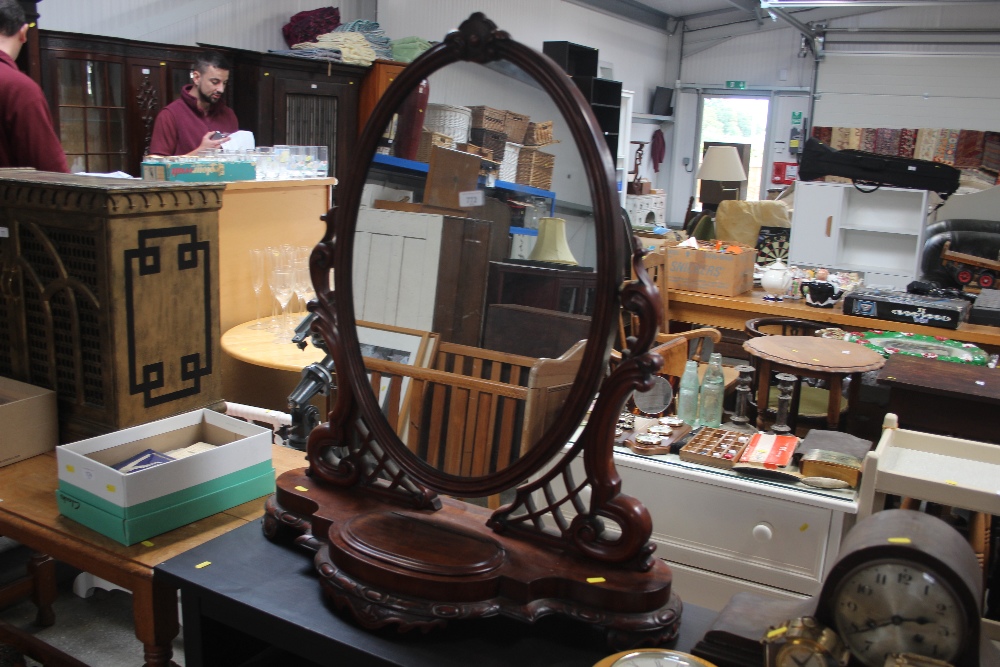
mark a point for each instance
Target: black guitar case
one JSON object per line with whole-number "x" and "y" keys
{"x": 863, "y": 168}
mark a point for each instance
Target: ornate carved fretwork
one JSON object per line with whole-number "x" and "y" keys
{"x": 147, "y": 98}
{"x": 107, "y": 201}
{"x": 537, "y": 512}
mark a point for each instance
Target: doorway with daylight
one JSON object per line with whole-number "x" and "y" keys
{"x": 741, "y": 122}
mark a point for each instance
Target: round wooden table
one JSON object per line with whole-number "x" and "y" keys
{"x": 259, "y": 347}
{"x": 810, "y": 356}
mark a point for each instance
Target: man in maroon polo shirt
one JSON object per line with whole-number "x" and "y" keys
{"x": 188, "y": 124}
{"x": 27, "y": 138}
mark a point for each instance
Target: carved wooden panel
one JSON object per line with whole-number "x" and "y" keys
{"x": 110, "y": 296}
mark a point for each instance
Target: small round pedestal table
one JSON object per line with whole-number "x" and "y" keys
{"x": 813, "y": 357}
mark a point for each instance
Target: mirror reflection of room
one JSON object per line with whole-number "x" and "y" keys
{"x": 476, "y": 236}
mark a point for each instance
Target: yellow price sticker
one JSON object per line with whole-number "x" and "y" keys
{"x": 146, "y": 543}
{"x": 301, "y": 488}
{"x": 201, "y": 565}
{"x": 596, "y": 580}
{"x": 900, "y": 540}
{"x": 804, "y": 527}
{"x": 777, "y": 632}
{"x": 112, "y": 488}
{"x": 70, "y": 468}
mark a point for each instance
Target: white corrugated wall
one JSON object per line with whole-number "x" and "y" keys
{"x": 246, "y": 24}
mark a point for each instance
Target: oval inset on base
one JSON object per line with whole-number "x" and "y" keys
{"x": 422, "y": 545}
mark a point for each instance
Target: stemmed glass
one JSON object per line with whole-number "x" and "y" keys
{"x": 257, "y": 272}
{"x": 283, "y": 287}
{"x": 303, "y": 283}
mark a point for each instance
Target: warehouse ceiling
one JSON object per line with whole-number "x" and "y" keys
{"x": 705, "y": 23}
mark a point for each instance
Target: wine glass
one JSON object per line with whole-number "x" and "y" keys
{"x": 303, "y": 283}
{"x": 283, "y": 286}
{"x": 257, "y": 272}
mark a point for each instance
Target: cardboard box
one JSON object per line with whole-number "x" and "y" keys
{"x": 704, "y": 270}
{"x": 135, "y": 506}
{"x": 30, "y": 424}
{"x": 201, "y": 171}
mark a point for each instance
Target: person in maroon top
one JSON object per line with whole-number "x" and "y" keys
{"x": 27, "y": 138}
{"x": 188, "y": 124}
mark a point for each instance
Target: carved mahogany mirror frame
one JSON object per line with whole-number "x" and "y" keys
{"x": 394, "y": 552}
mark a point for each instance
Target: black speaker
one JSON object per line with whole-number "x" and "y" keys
{"x": 662, "y": 102}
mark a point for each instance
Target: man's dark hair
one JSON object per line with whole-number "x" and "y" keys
{"x": 206, "y": 60}
{"x": 11, "y": 17}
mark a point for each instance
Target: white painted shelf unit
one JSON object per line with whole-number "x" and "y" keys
{"x": 880, "y": 233}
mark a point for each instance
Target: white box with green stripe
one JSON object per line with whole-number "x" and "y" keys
{"x": 135, "y": 506}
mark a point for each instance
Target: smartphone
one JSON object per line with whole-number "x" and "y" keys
{"x": 218, "y": 135}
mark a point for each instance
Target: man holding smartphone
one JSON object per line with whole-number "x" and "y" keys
{"x": 199, "y": 118}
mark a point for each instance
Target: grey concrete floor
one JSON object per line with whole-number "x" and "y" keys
{"x": 97, "y": 630}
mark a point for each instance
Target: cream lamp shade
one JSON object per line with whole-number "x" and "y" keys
{"x": 722, "y": 163}
{"x": 551, "y": 245}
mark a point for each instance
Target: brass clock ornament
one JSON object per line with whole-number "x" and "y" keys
{"x": 905, "y": 582}
{"x": 804, "y": 642}
{"x": 653, "y": 657}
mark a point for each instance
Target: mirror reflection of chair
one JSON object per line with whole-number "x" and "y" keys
{"x": 475, "y": 411}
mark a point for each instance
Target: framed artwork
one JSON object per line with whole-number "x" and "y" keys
{"x": 408, "y": 347}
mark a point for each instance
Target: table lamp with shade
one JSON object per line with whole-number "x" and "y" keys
{"x": 721, "y": 163}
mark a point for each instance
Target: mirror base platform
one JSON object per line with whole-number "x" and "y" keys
{"x": 389, "y": 565}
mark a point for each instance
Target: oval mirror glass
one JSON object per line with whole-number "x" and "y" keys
{"x": 474, "y": 268}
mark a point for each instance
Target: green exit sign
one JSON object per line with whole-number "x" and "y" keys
{"x": 736, "y": 85}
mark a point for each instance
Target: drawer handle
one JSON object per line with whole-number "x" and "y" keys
{"x": 763, "y": 532}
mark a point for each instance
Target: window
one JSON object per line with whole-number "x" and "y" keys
{"x": 91, "y": 114}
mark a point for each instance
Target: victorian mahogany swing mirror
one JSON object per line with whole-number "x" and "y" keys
{"x": 431, "y": 400}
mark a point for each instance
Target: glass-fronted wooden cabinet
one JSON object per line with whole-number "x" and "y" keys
{"x": 105, "y": 93}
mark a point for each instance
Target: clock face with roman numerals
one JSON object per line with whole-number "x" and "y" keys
{"x": 895, "y": 606}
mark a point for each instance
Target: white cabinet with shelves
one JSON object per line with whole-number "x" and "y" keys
{"x": 880, "y": 233}
{"x": 622, "y": 160}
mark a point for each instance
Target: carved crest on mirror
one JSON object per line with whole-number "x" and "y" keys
{"x": 381, "y": 501}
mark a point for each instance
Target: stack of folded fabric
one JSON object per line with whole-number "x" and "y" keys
{"x": 326, "y": 55}
{"x": 373, "y": 33}
{"x": 353, "y": 47}
{"x": 407, "y": 49}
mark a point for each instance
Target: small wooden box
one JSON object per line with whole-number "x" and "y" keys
{"x": 715, "y": 447}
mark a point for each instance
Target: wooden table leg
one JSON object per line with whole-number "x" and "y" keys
{"x": 763, "y": 390}
{"x": 853, "y": 398}
{"x": 42, "y": 569}
{"x": 154, "y": 609}
{"x": 833, "y": 406}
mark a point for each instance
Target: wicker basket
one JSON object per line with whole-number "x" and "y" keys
{"x": 508, "y": 168}
{"x": 488, "y": 118}
{"x": 450, "y": 120}
{"x": 515, "y": 125}
{"x": 430, "y": 139}
{"x": 539, "y": 134}
{"x": 492, "y": 139}
{"x": 534, "y": 168}
{"x": 475, "y": 150}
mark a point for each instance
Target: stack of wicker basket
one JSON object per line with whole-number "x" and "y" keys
{"x": 534, "y": 166}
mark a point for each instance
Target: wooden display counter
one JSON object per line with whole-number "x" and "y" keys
{"x": 257, "y": 214}
{"x": 732, "y": 312}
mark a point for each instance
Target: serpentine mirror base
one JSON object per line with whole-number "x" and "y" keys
{"x": 418, "y": 569}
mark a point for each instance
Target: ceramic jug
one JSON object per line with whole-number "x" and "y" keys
{"x": 820, "y": 293}
{"x": 776, "y": 280}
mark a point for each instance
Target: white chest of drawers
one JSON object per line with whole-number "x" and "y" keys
{"x": 723, "y": 533}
